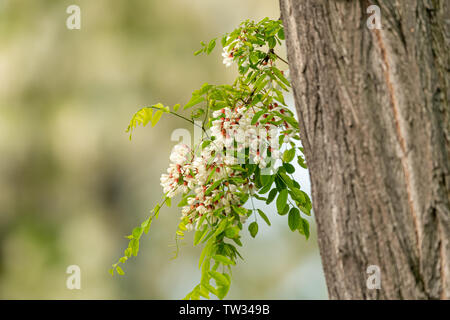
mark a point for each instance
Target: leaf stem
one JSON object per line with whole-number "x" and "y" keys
{"x": 184, "y": 118}
{"x": 281, "y": 58}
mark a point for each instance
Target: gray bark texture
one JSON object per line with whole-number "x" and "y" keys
{"x": 373, "y": 108}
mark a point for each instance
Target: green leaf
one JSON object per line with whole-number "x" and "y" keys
{"x": 188, "y": 296}
{"x": 257, "y": 116}
{"x": 222, "y": 291}
{"x": 253, "y": 228}
{"x": 301, "y": 162}
{"x": 199, "y": 234}
{"x": 238, "y": 167}
{"x": 303, "y": 227}
{"x": 212, "y": 187}
{"x": 224, "y": 40}
{"x": 184, "y": 201}
{"x": 143, "y": 116}
{"x": 223, "y": 259}
{"x": 206, "y": 143}
{"x": 220, "y": 278}
{"x": 254, "y": 57}
{"x": 271, "y": 42}
{"x": 288, "y": 155}
{"x": 197, "y": 113}
{"x": 305, "y": 210}
{"x": 289, "y": 168}
{"x": 298, "y": 195}
{"x": 156, "y": 210}
{"x": 194, "y": 100}
{"x": 289, "y": 119}
{"x": 267, "y": 179}
{"x": 239, "y": 210}
{"x": 137, "y": 232}
{"x": 272, "y": 195}
{"x": 134, "y": 245}
{"x": 280, "y": 76}
{"x": 285, "y": 211}
{"x": 281, "y": 34}
{"x": 232, "y": 232}
{"x": 280, "y": 96}
{"x": 263, "y": 215}
{"x": 260, "y": 83}
{"x": 285, "y": 178}
{"x": 209, "y": 235}
{"x": 156, "y": 117}
{"x": 120, "y": 271}
{"x": 282, "y": 200}
{"x": 306, "y": 206}
{"x": 222, "y": 226}
{"x": 239, "y": 243}
{"x": 294, "y": 219}
{"x": 203, "y": 292}
{"x": 182, "y": 226}
{"x": 205, "y": 252}
{"x": 211, "y": 46}
{"x": 265, "y": 189}
{"x": 211, "y": 289}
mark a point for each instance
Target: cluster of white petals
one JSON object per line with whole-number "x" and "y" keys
{"x": 193, "y": 172}
{"x": 227, "y": 57}
{"x": 234, "y": 133}
{"x": 228, "y": 51}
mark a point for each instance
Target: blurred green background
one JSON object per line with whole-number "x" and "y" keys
{"x": 71, "y": 183}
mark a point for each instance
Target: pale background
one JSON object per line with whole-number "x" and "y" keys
{"x": 71, "y": 183}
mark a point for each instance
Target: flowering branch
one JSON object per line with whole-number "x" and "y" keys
{"x": 246, "y": 125}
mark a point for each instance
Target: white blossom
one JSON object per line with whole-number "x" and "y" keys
{"x": 227, "y": 57}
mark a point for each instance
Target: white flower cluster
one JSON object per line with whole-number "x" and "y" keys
{"x": 235, "y": 133}
{"x": 232, "y": 133}
{"x": 229, "y": 51}
{"x": 227, "y": 56}
{"x": 189, "y": 173}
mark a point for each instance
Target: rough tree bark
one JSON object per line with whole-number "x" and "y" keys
{"x": 373, "y": 108}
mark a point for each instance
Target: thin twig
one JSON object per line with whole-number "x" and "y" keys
{"x": 281, "y": 58}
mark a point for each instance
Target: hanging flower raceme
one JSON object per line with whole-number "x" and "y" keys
{"x": 250, "y": 137}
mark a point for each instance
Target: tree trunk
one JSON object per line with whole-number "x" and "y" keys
{"x": 373, "y": 108}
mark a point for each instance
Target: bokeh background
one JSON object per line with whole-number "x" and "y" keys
{"x": 71, "y": 183}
